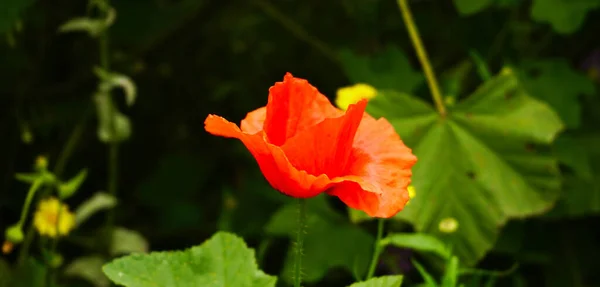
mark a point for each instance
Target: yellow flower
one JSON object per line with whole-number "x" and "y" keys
{"x": 448, "y": 225}
{"x": 411, "y": 193}
{"x": 352, "y": 94}
{"x": 48, "y": 213}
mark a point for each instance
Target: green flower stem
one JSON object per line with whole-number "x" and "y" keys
{"x": 63, "y": 158}
{"x": 376, "y": 249}
{"x": 72, "y": 143}
{"x": 30, "y": 195}
{"x": 299, "y": 242}
{"x": 113, "y": 175}
{"x": 113, "y": 148}
{"x": 422, "y": 54}
{"x": 24, "y": 251}
{"x": 58, "y": 169}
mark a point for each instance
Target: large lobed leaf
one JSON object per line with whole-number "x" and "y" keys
{"x": 556, "y": 83}
{"x": 223, "y": 260}
{"x": 468, "y": 7}
{"x": 384, "y": 281}
{"x": 478, "y": 165}
{"x": 565, "y": 16}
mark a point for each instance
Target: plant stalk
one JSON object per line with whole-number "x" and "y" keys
{"x": 376, "y": 249}
{"x": 423, "y": 58}
{"x": 113, "y": 147}
{"x": 24, "y": 251}
{"x": 300, "y": 242}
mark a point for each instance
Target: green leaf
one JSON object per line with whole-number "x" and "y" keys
{"x": 11, "y": 12}
{"x": 125, "y": 241}
{"x": 109, "y": 116}
{"x": 482, "y": 68}
{"x": 489, "y": 140}
{"x": 88, "y": 268}
{"x": 428, "y": 278}
{"x": 383, "y": 281}
{"x": 468, "y": 7}
{"x": 556, "y": 83}
{"x": 97, "y": 202}
{"x": 28, "y": 177}
{"x": 67, "y": 189}
{"x": 113, "y": 126}
{"x": 565, "y": 16}
{"x": 94, "y": 27}
{"x": 326, "y": 243}
{"x": 111, "y": 80}
{"x": 418, "y": 241}
{"x": 382, "y": 70}
{"x": 223, "y": 260}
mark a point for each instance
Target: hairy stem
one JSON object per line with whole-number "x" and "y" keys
{"x": 423, "y": 58}
{"x": 376, "y": 249}
{"x": 299, "y": 242}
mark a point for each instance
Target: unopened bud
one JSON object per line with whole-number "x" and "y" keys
{"x": 14, "y": 234}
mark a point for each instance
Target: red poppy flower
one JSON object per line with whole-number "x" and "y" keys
{"x": 305, "y": 146}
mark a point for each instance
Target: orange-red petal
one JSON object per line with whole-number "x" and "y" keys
{"x": 272, "y": 161}
{"x": 254, "y": 121}
{"x": 379, "y": 171}
{"x": 293, "y": 106}
{"x": 325, "y": 148}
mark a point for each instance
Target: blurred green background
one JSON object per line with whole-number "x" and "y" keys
{"x": 178, "y": 185}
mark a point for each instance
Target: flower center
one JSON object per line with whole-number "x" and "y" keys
{"x": 52, "y": 218}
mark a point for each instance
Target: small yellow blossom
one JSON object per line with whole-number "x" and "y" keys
{"x": 411, "y": 193}
{"x": 352, "y": 94}
{"x": 448, "y": 225}
{"x": 48, "y": 213}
